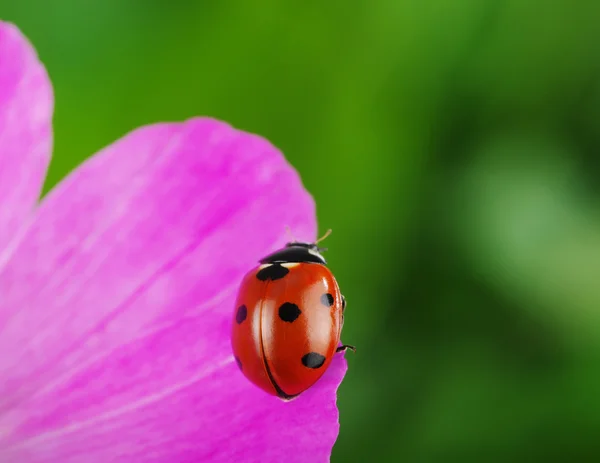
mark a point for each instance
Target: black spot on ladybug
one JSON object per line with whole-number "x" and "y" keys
{"x": 288, "y": 312}
{"x": 327, "y": 299}
{"x": 241, "y": 314}
{"x": 239, "y": 363}
{"x": 272, "y": 272}
{"x": 313, "y": 360}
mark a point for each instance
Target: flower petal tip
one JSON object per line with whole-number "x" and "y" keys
{"x": 26, "y": 109}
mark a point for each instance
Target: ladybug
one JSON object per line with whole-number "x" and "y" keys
{"x": 288, "y": 320}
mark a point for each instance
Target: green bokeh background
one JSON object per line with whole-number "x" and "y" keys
{"x": 453, "y": 148}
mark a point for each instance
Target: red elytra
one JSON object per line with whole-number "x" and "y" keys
{"x": 288, "y": 320}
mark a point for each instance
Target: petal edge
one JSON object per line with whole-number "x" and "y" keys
{"x": 26, "y": 109}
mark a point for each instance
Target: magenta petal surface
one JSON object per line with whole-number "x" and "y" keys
{"x": 117, "y": 302}
{"x": 26, "y": 107}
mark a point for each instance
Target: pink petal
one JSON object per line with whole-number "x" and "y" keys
{"x": 26, "y": 106}
{"x": 117, "y": 304}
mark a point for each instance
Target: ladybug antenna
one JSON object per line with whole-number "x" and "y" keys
{"x": 327, "y": 233}
{"x": 288, "y": 232}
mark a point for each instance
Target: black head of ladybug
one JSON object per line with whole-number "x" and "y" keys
{"x": 297, "y": 252}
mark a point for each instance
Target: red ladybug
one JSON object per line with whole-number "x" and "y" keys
{"x": 288, "y": 319}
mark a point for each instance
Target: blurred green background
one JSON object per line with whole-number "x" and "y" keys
{"x": 453, "y": 148}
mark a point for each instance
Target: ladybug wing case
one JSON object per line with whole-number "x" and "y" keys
{"x": 246, "y": 339}
{"x": 294, "y": 323}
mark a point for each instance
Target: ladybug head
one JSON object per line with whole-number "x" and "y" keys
{"x": 297, "y": 252}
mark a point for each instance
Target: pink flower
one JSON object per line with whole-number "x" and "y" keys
{"x": 117, "y": 291}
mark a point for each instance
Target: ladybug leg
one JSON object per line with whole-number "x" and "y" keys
{"x": 344, "y": 348}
